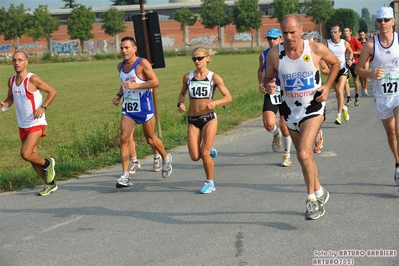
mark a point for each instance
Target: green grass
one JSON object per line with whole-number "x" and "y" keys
{"x": 83, "y": 124}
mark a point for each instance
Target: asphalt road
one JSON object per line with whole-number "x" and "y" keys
{"x": 255, "y": 217}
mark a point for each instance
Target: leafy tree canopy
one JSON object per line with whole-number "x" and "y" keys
{"x": 246, "y": 15}
{"x": 284, "y": 7}
{"x": 113, "y": 22}
{"x": 70, "y": 3}
{"x": 185, "y": 17}
{"x": 320, "y": 11}
{"x": 215, "y": 13}
{"x": 80, "y": 24}
{"x": 344, "y": 17}
{"x": 42, "y": 24}
{"x": 127, "y": 2}
{"x": 13, "y": 22}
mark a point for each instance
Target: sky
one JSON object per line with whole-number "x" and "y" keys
{"x": 357, "y": 5}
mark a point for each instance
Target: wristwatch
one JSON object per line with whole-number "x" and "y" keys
{"x": 43, "y": 106}
{"x": 178, "y": 104}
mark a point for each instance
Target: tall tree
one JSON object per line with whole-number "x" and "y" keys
{"x": 80, "y": 24}
{"x": 113, "y": 22}
{"x": 246, "y": 16}
{"x": 215, "y": 13}
{"x": 127, "y": 2}
{"x": 186, "y": 18}
{"x": 42, "y": 25}
{"x": 367, "y": 19}
{"x": 320, "y": 11}
{"x": 284, "y": 7}
{"x": 363, "y": 25}
{"x": 70, "y": 3}
{"x": 13, "y": 23}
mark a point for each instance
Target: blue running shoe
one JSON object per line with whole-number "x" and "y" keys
{"x": 207, "y": 188}
{"x": 214, "y": 153}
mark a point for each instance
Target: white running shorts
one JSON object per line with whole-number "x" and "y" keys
{"x": 385, "y": 105}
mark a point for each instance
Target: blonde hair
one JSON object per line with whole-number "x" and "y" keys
{"x": 205, "y": 51}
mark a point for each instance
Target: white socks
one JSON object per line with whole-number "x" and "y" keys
{"x": 275, "y": 130}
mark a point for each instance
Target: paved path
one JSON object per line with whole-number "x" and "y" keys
{"x": 256, "y": 216}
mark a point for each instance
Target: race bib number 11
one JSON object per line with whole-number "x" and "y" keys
{"x": 276, "y": 98}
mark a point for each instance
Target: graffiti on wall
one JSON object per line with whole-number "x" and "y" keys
{"x": 167, "y": 41}
{"x": 204, "y": 40}
{"x": 5, "y": 47}
{"x": 242, "y": 36}
{"x": 97, "y": 45}
{"x": 29, "y": 46}
{"x": 71, "y": 47}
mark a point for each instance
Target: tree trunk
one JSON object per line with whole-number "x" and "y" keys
{"x": 219, "y": 39}
{"x": 252, "y": 38}
{"x": 321, "y": 33}
{"x": 49, "y": 46}
{"x": 16, "y": 43}
{"x": 116, "y": 43}
{"x": 82, "y": 44}
{"x": 185, "y": 41}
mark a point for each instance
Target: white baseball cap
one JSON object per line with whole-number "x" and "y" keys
{"x": 385, "y": 12}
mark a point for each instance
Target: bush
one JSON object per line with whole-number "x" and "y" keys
{"x": 47, "y": 56}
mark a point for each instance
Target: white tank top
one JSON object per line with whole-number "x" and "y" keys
{"x": 388, "y": 58}
{"x": 137, "y": 100}
{"x": 26, "y": 103}
{"x": 299, "y": 80}
{"x": 338, "y": 49}
{"x": 201, "y": 89}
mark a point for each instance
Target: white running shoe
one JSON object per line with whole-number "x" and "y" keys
{"x": 156, "y": 167}
{"x": 396, "y": 176}
{"x": 133, "y": 166}
{"x": 287, "y": 162}
{"x": 276, "y": 144}
{"x": 124, "y": 181}
{"x": 167, "y": 166}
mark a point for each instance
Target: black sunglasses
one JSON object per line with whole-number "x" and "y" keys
{"x": 199, "y": 58}
{"x": 271, "y": 38}
{"x": 379, "y": 20}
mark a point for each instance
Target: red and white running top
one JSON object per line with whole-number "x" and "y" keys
{"x": 26, "y": 103}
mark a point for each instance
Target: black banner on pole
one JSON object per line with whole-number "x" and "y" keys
{"x": 154, "y": 38}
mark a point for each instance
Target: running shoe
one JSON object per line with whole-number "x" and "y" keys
{"x": 214, "y": 153}
{"x": 156, "y": 167}
{"x": 348, "y": 102}
{"x": 366, "y": 93}
{"x": 48, "y": 189}
{"x": 337, "y": 120}
{"x": 322, "y": 200}
{"x": 318, "y": 144}
{"x": 207, "y": 188}
{"x": 133, "y": 166}
{"x": 124, "y": 181}
{"x": 287, "y": 162}
{"x": 276, "y": 144}
{"x": 357, "y": 101}
{"x": 312, "y": 210}
{"x": 167, "y": 166}
{"x": 345, "y": 113}
{"x": 49, "y": 171}
{"x": 396, "y": 176}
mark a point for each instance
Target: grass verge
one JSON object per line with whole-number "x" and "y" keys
{"x": 83, "y": 125}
